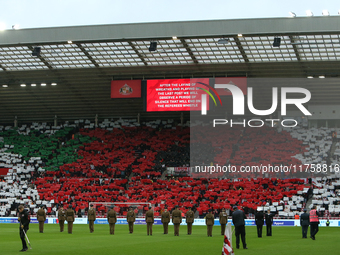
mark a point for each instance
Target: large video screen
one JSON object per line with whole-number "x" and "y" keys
{"x": 176, "y": 94}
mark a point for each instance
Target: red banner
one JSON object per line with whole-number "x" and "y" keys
{"x": 240, "y": 82}
{"x": 3, "y": 171}
{"x": 126, "y": 89}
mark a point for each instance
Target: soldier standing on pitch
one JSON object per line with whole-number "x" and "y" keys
{"x": 223, "y": 217}
{"x": 91, "y": 215}
{"x": 41, "y": 217}
{"x": 209, "y": 221}
{"x": 259, "y": 221}
{"x": 61, "y": 218}
{"x": 70, "y": 218}
{"x": 24, "y": 221}
{"x": 176, "y": 219}
{"x": 304, "y": 222}
{"x": 112, "y": 219}
{"x": 149, "y": 219}
{"x": 165, "y": 220}
{"x": 130, "y": 218}
{"x": 269, "y": 222}
{"x": 189, "y": 219}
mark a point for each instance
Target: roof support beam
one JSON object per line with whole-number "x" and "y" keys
{"x": 186, "y": 46}
{"x": 42, "y": 59}
{"x": 240, "y": 47}
{"x": 303, "y": 65}
{"x": 87, "y": 55}
{"x": 3, "y": 68}
{"x": 138, "y": 54}
{"x": 296, "y": 51}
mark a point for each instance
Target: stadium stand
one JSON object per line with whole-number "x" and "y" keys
{"x": 326, "y": 195}
{"x": 123, "y": 161}
{"x": 17, "y": 187}
{"x": 318, "y": 143}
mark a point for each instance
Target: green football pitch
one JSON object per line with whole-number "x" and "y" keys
{"x": 285, "y": 240}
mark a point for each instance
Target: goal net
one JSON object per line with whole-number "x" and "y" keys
{"x": 121, "y": 208}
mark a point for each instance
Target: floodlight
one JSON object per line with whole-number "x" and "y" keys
{"x": 309, "y": 13}
{"x": 325, "y": 13}
{"x": 292, "y": 14}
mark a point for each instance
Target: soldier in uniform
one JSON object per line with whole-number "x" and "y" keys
{"x": 259, "y": 221}
{"x": 149, "y": 219}
{"x": 209, "y": 221}
{"x": 70, "y": 218}
{"x": 112, "y": 219}
{"x": 41, "y": 217}
{"x": 24, "y": 220}
{"x": 189, "y": 219}
{"x": 176, "y": 219}
{"x": 269, "y": 222}
{"x": 131, "y": 218}
{"x": 91, "y": 215}
{"x": 165, "y": 220}
{"x": 61, "y": 218}
{"x": 223, "y": 217}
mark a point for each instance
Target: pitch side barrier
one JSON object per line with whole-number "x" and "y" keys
{"x": 141, "y": 221}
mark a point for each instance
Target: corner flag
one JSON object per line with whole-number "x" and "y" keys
{"x": 227, "y": 245}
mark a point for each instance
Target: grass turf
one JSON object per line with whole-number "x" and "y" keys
{"x": 285, "y": 240}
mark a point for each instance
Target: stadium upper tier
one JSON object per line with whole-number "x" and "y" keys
{"x": 83, "y": 60}
{"x": 123, "y": 161}
{"x": 178, "y": 43}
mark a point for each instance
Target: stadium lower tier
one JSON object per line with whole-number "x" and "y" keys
{"x": 125, "y": 162}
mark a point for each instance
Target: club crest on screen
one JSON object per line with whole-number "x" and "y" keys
{"x": 125, "y": 90}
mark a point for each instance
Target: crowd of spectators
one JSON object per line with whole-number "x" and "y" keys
{"x": 125, "y": 162}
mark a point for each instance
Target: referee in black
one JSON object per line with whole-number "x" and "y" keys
{"x": 238, "y": 217}
{"x": 24, "y": 221}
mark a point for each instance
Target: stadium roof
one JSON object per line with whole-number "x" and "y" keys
{"x": 84, "y": 59}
